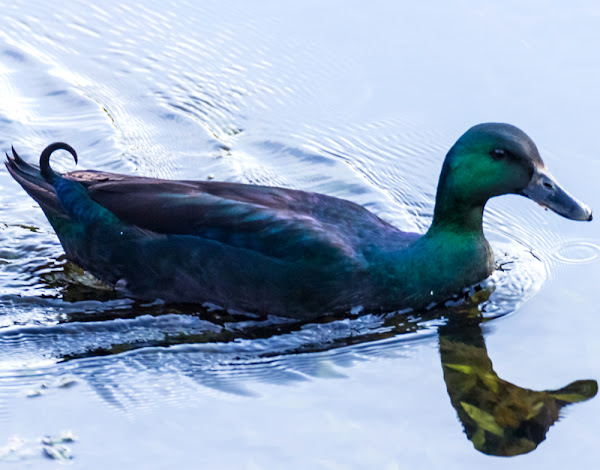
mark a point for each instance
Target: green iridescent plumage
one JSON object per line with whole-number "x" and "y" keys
{"x": 287, "y": 252}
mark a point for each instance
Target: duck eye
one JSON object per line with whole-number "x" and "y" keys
{"x": 498, "y": 154}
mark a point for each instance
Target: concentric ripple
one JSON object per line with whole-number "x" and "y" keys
{"x": 577, "y": 251}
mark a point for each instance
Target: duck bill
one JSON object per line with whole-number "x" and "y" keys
{"x": 546, "y": 191}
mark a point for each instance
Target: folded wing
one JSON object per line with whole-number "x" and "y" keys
{"x": 280, "y": 223}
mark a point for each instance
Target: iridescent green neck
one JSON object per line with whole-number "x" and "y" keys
{"x": 457, "y": 216}
{"x": 458, "y": 205}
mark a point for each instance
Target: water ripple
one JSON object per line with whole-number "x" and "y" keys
{"x": 166, "y": 95}
{"x": 577, "y": 251}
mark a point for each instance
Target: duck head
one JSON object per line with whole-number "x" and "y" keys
{"x": 493, "y": 159}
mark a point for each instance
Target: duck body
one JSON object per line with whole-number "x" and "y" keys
{"x": 262, "y": 249}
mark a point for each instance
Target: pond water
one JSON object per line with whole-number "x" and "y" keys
{"x": 352, "y": 99}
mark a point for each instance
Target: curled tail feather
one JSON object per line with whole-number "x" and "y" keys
{"x": 58, "y": 196}
{"x": 47, "y": 172}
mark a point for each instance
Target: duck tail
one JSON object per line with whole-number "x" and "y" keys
{"x": 47, "y": 172}
{"x": 33, "y": 182}
{"x": 62, "y": 199}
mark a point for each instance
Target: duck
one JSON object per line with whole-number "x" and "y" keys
{"x": 285, "y": 252}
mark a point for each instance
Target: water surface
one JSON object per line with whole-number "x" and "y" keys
{"x": 353, "y": 100}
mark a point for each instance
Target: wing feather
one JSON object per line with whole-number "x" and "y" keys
{"x": 276, "y": 222}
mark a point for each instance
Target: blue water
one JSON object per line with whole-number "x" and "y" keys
{"x": 355, "y": 100}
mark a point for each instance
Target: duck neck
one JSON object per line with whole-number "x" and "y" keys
{"x": 457, "y": 215}
{"x": 457, "y": 210}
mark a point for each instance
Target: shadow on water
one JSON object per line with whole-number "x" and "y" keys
{"x": 223, "y": 350}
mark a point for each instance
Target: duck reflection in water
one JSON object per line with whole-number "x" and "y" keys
{"x": 500, "y": 418}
